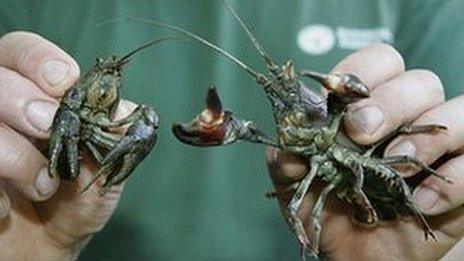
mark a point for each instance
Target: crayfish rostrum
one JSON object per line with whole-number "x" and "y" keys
{"x": 85, "y": 120}
{"x": 308, "y": 125}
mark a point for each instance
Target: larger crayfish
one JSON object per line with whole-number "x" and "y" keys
{"x": 308, "y": 125}
{"x": 85, "y": 118}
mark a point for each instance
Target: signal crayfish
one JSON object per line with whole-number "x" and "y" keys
{"x": 85, "y": 118}
{"x": 308, "y": 125}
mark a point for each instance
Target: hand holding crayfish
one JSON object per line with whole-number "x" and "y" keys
{"x": 397, "y": 97}
{"x": 34, "y": 74}
{"x": 308, "y": 125}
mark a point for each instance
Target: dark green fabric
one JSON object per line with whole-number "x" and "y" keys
{"x": 186, "y": 203}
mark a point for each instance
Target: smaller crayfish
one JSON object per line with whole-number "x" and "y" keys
{"x": 86, "y": 118}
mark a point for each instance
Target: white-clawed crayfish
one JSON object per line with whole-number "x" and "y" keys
{"x": 85, "y": 119}
{"x": 308, "y": 125}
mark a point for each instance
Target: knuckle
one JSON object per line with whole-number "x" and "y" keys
{"x": 19, "y": 50}
{"x": 389, "y": 53}
{"x": 452, "y": 168}
{"x": 28, "y": 54}
{"x": 18, "y": 36}
{"x": 13, "y": 158}
{"x": 429, "y": 79}
{"x": 16, "y": 155}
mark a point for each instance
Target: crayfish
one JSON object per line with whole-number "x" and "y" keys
{"x": 308, "y": 125}
{"x": 85, "y": 119}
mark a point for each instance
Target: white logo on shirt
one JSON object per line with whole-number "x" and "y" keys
{"x": 319, "y": 39}
{"x": 316, "y": 39}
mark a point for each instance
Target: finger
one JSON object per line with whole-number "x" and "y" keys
{"x": 88, "y": 211}
{"x": 393, "y": 103}
{"x": 456, "y": 252}
{"x": 373, "y": 64}
{"x": 25, "y": 107}
{"x": 24, "y": 167}
{"x": 443, "y": 201}
{"x": 429, "y": 147}
{"x": 39, "y": 60}
{"x": 435, "y": 196}
{"x": 125, "y": 108}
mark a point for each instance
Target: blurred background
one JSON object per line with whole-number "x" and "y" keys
{"x": 188, "y": 203}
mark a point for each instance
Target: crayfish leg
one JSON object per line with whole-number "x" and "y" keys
{"x": 361, "y": 197}
{"x": 415, "y": 209}
{"x": 97, "y": 156}
{"x": 316, "y": 216}
{"x": 104, "y": 170}
{"x": 120, "y": 171}
{"x": 425, "y": 224}
{"x": 293, "y": 219}
{"x": 406, "y": 129}
{"x": 416, "y": 162}
{"x": 128, "y": 166}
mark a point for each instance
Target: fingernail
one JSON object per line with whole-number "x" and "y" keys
{"x": 40, "y": 113}
{"x": 55, "y": 71}
{"x": 405, "y": 148}
{"x": 368, "y": 119}
{"x": 426, "y": 198}
{"x": 45, "y": 185}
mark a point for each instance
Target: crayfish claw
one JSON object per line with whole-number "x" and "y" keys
{"x": 212, "y": 127}
{"x": 342, "y": 84}
{"x": 213, "y": 102}
{"x": 63, "y": 144}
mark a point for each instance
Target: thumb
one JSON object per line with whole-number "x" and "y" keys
{"x": 285, "y": 168}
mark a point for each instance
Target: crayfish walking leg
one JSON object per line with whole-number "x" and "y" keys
{"x": 405, "y": 129}
{"x": 397, "y": 182}
{"x": 416, "y": 162}
{"x": 362, "y": 199}
{"x": 316, "y": 215}
{"x": 295, "y": 203}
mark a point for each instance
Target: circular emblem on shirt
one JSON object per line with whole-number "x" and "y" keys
{"x": 316, "y": 39}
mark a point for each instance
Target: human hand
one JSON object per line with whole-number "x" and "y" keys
{"x": 397, "y": 96}
{"x": 41, "y": 219}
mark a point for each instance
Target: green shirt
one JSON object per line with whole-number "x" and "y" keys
{"x": 188, "y": 203}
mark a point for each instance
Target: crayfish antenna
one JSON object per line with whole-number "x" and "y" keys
{"x": 196, "y": 37}
{"x": 155, "y": 41}
{"x": 269, "y": 61}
